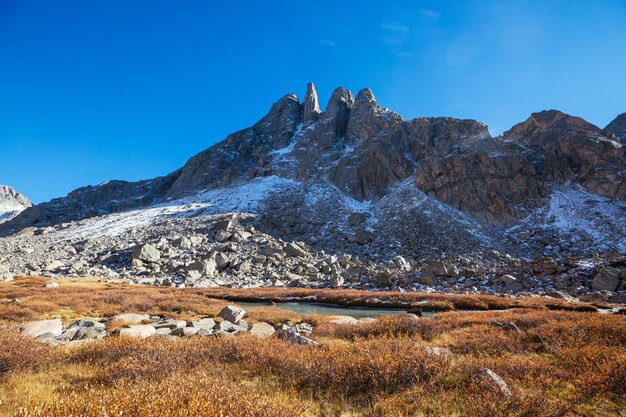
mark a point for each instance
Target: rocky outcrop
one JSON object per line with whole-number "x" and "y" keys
{"x": 562, "y": 147}
{"x": 618, "y": 127}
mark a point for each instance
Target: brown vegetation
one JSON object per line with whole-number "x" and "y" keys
{"x": 555, "y": 363}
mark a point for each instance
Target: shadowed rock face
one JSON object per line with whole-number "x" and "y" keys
{"x": 365, "y": 150}
{"x": 618, "y": 127}
{"x": 562, "y": 147}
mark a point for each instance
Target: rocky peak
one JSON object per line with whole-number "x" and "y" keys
{"x": 618, "y": 127}
{"x": 311, "y": 109}
{"x": 365, "y": 101}
{"x": 11, "y": 203}
{"x": 549, "y": 121}
{"x": 281, "y": 121}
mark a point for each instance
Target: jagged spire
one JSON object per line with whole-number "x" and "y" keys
{"x": 311, "y": 110}
{"x": 365, "y": 98}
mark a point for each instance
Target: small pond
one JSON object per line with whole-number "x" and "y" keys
{"x": 304, "y": 308}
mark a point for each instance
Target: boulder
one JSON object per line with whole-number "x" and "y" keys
{"x": 293, "y": 249}
{"x": 53, "y": 266}
{"x": 141, "y": 330}
{"x": 51, "y": 285}
{"x": 206, "y": 268}
{"x": 146, "y": 253}
{"x": 511, "y": 283}
{"x": 85, "y": 333}
{"x": 262, "y": 330}
{"x": 291, "y": 336}
{"x": 428, "y": 278}
{"x": 230, "y": 327}
{"x": 182, "y": 243}
{"x": 37, "y": 328}
{"x": 607, "y": 278}
{"x": 185, "y": 331}
{"x": 221, "y": 260}
{"x": 232, "y": 314}
{"x": 131, "y": 318}
{"x": 205, "y": 323}
{"x": 336, "y": 281}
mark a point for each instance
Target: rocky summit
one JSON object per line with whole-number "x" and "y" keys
{"x": 355, "y": 196}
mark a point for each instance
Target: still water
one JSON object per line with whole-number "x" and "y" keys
{"x": 304, "y": 308}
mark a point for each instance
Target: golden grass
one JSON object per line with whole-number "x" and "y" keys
{"x": 556, "y": 363}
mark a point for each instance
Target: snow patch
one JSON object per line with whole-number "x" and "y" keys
{"x": 242, "y": 198}
{"x": 574, "y": 213}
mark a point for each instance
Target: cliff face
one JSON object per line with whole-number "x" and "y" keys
{"x": 11, "y": 203}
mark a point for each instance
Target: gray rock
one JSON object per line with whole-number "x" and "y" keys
{"x": 141, "y": 330}
{"x": 336, "y": 281}
{"x": 232, "y": 314}
{"x": 185, "y": 331}
{"x": 511, "y": 283}
{"x": 205, "y": 323}
{"x": 84, "y": 333}
{"x": 293, "y": 249}
{"x": 262, "y": 330}
{"x": 294, "y": 337}
{"x": 131, "y": 318}
{"x": 206, "y": 268}
{"x": 227, "y": 326}
{"x": 607, "y": 279}
{"x": 146, "y": 253}
{"x": 37, "y": 328}
{"x": 53, "y": 266}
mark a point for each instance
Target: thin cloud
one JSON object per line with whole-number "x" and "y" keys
{"x": 395, "y": 27}
{"x": 430, "y": 14}
{"x": 327, "y": 42}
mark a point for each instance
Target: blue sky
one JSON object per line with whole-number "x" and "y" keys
{"x": 118, "y": 89}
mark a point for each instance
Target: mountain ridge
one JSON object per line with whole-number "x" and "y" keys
{"x": 284, "y": 200}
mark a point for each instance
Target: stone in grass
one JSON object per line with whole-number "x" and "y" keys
{"x": 141, "y": 330}
{"x": 131, "y": 318}
{"x": 262, "y": 330}
{"x": 496, "y": 381}
{"x": 37, "y": 328}
{"x": 232, "y": 314}
{"x": 291, "y": 336}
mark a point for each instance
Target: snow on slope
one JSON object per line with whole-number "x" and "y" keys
{"x": 8, "y": 211}
{"x": 243, "y": 198}
{"x": 578, "y": 217}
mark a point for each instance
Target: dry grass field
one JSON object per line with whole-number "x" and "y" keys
{"x": 554, "y": 361}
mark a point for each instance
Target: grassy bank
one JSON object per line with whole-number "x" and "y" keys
{"x": 26, "y": 299}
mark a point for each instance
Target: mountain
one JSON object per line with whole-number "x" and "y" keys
{"x": 355, "y": 182}
{"x": 11, "y": 203}
{"x": 618, "y": 127}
